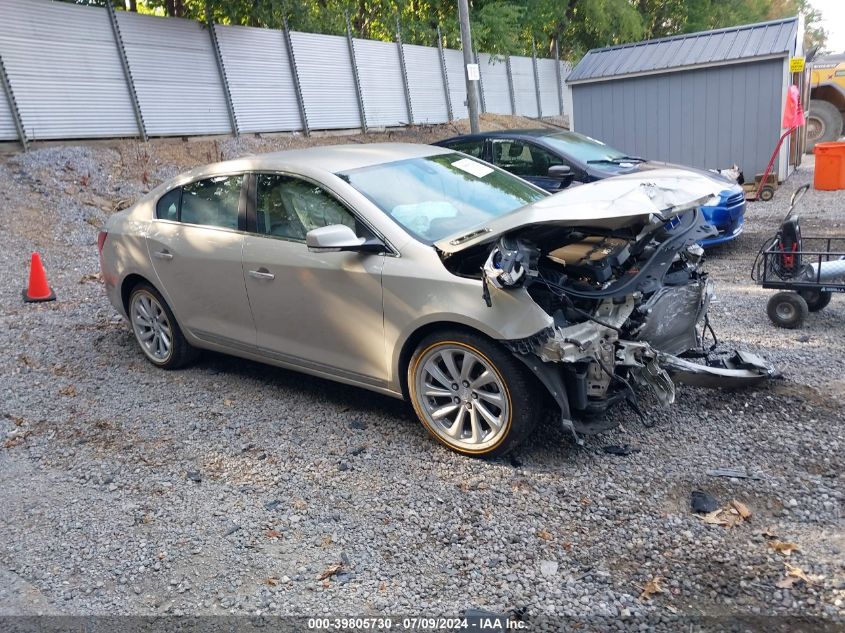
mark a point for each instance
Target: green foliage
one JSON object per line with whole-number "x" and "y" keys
{"x": 499, "y": 26}
{"x": 814, "y": 34}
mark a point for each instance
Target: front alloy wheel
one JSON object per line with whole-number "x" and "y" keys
{"x": 472, "y": 395}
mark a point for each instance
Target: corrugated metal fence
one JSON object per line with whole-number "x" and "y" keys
{"x": 71, "y": 71}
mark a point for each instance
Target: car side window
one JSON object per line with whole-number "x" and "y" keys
{"x": 542, "y": 159}
{"x": 212, "y": 202}
{"x": 473, "y": 148}
{"x": 523, "y": 159}
{"x": 288, "y": 207}
{"x": 511, "y": 155}
{"x": 167, "y": 207}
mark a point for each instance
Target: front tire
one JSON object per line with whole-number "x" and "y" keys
{"x": 471, "y": 394}
{"x": 824, "y": 123}
{"x": 787, "y": 310}
{"x": 156, "y": 330}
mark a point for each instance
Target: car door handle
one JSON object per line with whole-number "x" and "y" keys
{"x": 163, "y": 255}
{"x": 262, "y": 273}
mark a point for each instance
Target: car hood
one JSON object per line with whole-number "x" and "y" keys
{"x": 608, "y": 170}
{"x": 613, "y": 203}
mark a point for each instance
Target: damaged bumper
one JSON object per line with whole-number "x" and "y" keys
{"x": 589, "y": 373}
{"x": 590, "y": 366}
{"x": 737, "y": 371}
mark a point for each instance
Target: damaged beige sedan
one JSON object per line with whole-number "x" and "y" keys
{"x": 425, "y": 274}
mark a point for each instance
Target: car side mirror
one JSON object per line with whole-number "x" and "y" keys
{"x": 339, "y": 237}
{"x": 562, "y": 173}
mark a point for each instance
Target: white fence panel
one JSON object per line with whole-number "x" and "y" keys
{"x": 549, "y": 99}
{"x": 176, "y": 75}
{"x": 328, "y": 86}
{"x": 425, "y": 78}
{"x": 62, "y": 62}
{"x": 64, "y": 66}
{"x": 525, "y": 96}
{"x": 260, "y": 79}
{"x": 380, "y": 71}
{"x": 494, "y": 80}
{"x": 457, "y": 82}
{"x": 565, "y": 69}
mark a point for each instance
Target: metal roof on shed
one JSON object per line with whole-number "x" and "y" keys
{"x": 707, "y": 48}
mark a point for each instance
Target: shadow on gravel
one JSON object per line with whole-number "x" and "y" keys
{"x": 341, "y": 395}
{"x": 547, "y": 448}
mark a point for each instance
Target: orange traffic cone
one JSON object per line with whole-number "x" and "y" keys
{"x": 38, "y": 289}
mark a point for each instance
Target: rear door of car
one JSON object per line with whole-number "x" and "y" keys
{"x": 322, "y": 312}
{"x": 195, "y": 244}
{"x": 474, "y": 147}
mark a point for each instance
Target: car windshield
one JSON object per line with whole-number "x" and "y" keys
{"x": 583, "y": 148}
{"x": 437, "y": 196}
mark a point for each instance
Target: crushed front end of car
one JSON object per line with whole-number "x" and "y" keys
{"x": 625, "y": 290}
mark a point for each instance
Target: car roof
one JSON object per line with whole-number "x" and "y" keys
{"x": 327, "y": 158}
{"x": 532, "y": 133}
{"x": 336, "y": 158}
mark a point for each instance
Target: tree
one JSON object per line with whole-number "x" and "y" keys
{"x": 814, "y": 34}
{"x": 499, "y": 26}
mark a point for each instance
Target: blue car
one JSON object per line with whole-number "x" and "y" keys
{"x": 541, "y": 156}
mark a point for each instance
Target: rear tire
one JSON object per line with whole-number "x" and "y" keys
{"x": 787, "y": 310}
{"x": 816, "y": 299}
{"x": 824, "y": 123}
{"x": 471, "y": 394}
{"x": 156, "y": 330}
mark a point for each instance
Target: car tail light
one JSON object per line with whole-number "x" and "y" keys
{"x": 101, "y": 241}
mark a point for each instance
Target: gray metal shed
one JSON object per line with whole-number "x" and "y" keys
{"x": 709, "y": 99}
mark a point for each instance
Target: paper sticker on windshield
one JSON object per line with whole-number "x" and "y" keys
{"x": 471, "y": 167}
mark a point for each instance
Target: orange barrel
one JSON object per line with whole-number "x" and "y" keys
{"x": 830, "y": 166}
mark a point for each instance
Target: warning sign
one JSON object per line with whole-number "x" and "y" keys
{"x": 796, "y": 64}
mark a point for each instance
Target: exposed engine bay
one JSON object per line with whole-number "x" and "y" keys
{"x": 629, "y": 310}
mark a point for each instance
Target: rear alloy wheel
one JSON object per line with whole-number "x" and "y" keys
{"x": 824, "y": 123}
{"x": 472, "y": 395}
{"x": 787, "y": 310}
{"x": 156, "y": 330}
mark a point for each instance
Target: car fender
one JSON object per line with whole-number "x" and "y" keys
{"x": 450, "y": 300}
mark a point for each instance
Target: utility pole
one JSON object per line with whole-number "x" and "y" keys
{"x": 471, "y": 69}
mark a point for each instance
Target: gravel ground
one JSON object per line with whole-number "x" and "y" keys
{"x": 232, "y": 487}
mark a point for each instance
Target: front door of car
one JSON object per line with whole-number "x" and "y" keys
{"x": 526, "y": 160}
{"x": 318, "y": 311}
{"x": 195, "y": 245}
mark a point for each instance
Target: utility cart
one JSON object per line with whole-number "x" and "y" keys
{"x": 806, "y": 270}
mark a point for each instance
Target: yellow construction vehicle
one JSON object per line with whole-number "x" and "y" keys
{"x": 827, "y": 100}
